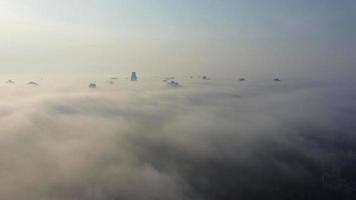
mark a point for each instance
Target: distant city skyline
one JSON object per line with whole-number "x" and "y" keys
{"x": 271, "y": 38}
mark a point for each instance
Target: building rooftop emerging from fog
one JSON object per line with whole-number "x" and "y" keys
{"x": 133, "y": 76}
{"x": 32, "y": 83}
{"x": 10, "y": 82}
{"x": 174, "y": 84}
{"x": 92, "y": 85}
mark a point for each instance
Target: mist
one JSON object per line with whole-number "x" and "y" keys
{"x": 212, "y": 139}
{"x": 261, "y": 106}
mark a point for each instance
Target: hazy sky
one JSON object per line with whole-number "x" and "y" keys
{"x": 275, "y": 37}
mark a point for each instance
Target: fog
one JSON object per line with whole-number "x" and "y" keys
{"x": 209, "y": 139}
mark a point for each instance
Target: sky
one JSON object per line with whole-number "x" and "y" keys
{"x": 161, "y": 37}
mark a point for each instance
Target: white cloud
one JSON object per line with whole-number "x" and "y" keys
{"x": 207, "y": 140}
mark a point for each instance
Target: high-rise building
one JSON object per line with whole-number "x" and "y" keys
{"x": 133, "y": 76}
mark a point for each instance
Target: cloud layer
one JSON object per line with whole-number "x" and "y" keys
{"x": 206, "y": 140}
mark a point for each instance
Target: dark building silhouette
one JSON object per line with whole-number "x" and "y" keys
{"x": 277, "y": 79}
{"x": 133, "y": 76}
{"x": 173, "y": 84}
{"x": 32, "y": 83}
{"x": 92, "y": 85}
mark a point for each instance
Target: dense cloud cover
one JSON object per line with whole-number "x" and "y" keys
{"x": 216, "y": 139}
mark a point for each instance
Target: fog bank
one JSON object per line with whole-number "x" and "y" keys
{"x": 210, "y": 139}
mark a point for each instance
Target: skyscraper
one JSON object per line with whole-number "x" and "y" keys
{"x": 133, "y": 76}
